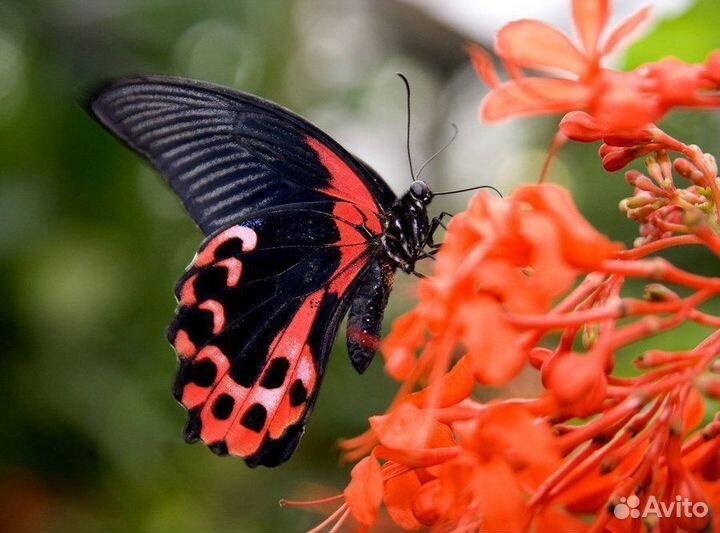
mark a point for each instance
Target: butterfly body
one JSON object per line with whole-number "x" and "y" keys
{"x": 299, "y": 233}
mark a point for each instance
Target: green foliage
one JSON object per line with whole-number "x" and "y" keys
{"x": 690, "y": 36}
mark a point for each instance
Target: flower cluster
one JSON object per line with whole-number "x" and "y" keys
{"x": 525, "y": 287}
{"x": 525, "y": 283}
{"x": 617, "y": 101}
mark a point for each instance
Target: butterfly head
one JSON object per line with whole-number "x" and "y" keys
{"x": 420, "y": 192}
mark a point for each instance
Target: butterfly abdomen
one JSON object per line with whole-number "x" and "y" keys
{"x": 366, "y": 312}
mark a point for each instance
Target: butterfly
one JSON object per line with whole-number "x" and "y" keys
{"x": 299, "y": 233}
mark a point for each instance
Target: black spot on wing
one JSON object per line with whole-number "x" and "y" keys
{"x": 298, "y": 393}
{"x": 202, "y": 373}
{"x": 254, "y": 418}
{"x": 196, "y": 322}
{"x": 209, "y": 282}
{"x": 275, "y": 374}
{"x": 230, "y": 248}
{"x": 223, "y": 406}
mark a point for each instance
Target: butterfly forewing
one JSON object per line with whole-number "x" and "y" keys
{"x": 228, "y": 154}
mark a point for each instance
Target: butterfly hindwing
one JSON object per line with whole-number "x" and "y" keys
{"x": 258, "y": 311}
{"x": 228, "y": 154}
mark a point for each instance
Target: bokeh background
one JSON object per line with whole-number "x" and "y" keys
{"x": 91, "y": 241}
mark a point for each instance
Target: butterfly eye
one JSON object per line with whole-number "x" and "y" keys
{"x": 421, "y": 191}
{"x": 418, "y": 189}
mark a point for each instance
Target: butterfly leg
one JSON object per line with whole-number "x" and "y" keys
{"x": 435, "y": 223}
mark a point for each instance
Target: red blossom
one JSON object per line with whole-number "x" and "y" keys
{"x": 616, "y": 101}
{"x": 525, "y": 282}
{"x": 526, "y": 285}
{"x": 364, "y": 493}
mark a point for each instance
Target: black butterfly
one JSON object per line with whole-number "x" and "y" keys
{"x": 298, "y": 232}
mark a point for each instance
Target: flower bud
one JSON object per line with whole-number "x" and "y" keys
{"x": 640, "y": 180}
{"x": 695, "y": 513}
{"x": 578, "y": 383}
{"x": 709, "y": 386}
{"x": 581, "y": 127}
{"x": 689, "y": 171}
{"x": 425, "y": 507}
{"x": 712, "y": 67}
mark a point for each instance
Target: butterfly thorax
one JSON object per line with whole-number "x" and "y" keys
{"x": 408, "y": 227}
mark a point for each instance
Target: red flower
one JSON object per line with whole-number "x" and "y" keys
{"x": 364, "y": 493}
{"x": 585, "y": 393}
{"x": 515, "y": 255}
{"x": 525, "y": 283}
{"x": 616, "y": 101}
{"x": 583, "y": 83}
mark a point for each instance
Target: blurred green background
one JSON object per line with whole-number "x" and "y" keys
{"x": 91, "y": 242}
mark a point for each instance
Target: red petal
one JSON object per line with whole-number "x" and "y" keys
{"x": 418, "y": 457}
{"x": 694, "y": 412}
{"x": 591, "y": 18}
{"x": 551, "y": 520}
{"x": 581, "y": 127}
{"x": 484, "y": 65}
{"x": 578, "y": 383}
{"x": 501, "y": 504}
{"x": 534, "y": 96}
{"x": 583, "y": 246}
{"x": 456, "y": 386}
{"x": 512, "y": 431}
{"x": 407, "y": 335}
{"x": 364, "y": 493}
{"x": 533, "y": 44}
{"x": 614, "y": 159}
{"x": 495, "y": 356}
{"x": 400, "y": 494}
{"x": 408, "y": 427}
{"x": 629, "y": 26}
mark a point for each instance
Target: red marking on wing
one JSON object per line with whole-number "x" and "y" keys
{"x": 218, "y": 313}
{"x": 291, "y": 344}
{"x": 187, "y": 293}
{"x": 183, "y": 345}
{"x": 194, "y": 395}
{"x": 225, "y": 423}
{"x": 207, "y": 254}
{"x": 234, "y": 268}
{"x": 348, "y": 254}
{"x": 367, "y": 340}
{"x": 285, "y": 413}
{"x": 214, "y": 430}
{"x": 348, "y": 212}
{"x": 345, "y": 184}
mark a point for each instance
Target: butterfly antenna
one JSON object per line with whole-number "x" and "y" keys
{"x": 407, "y": 136}
{"x": 441, "y": 150}
{"x": 470, "y": 189}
